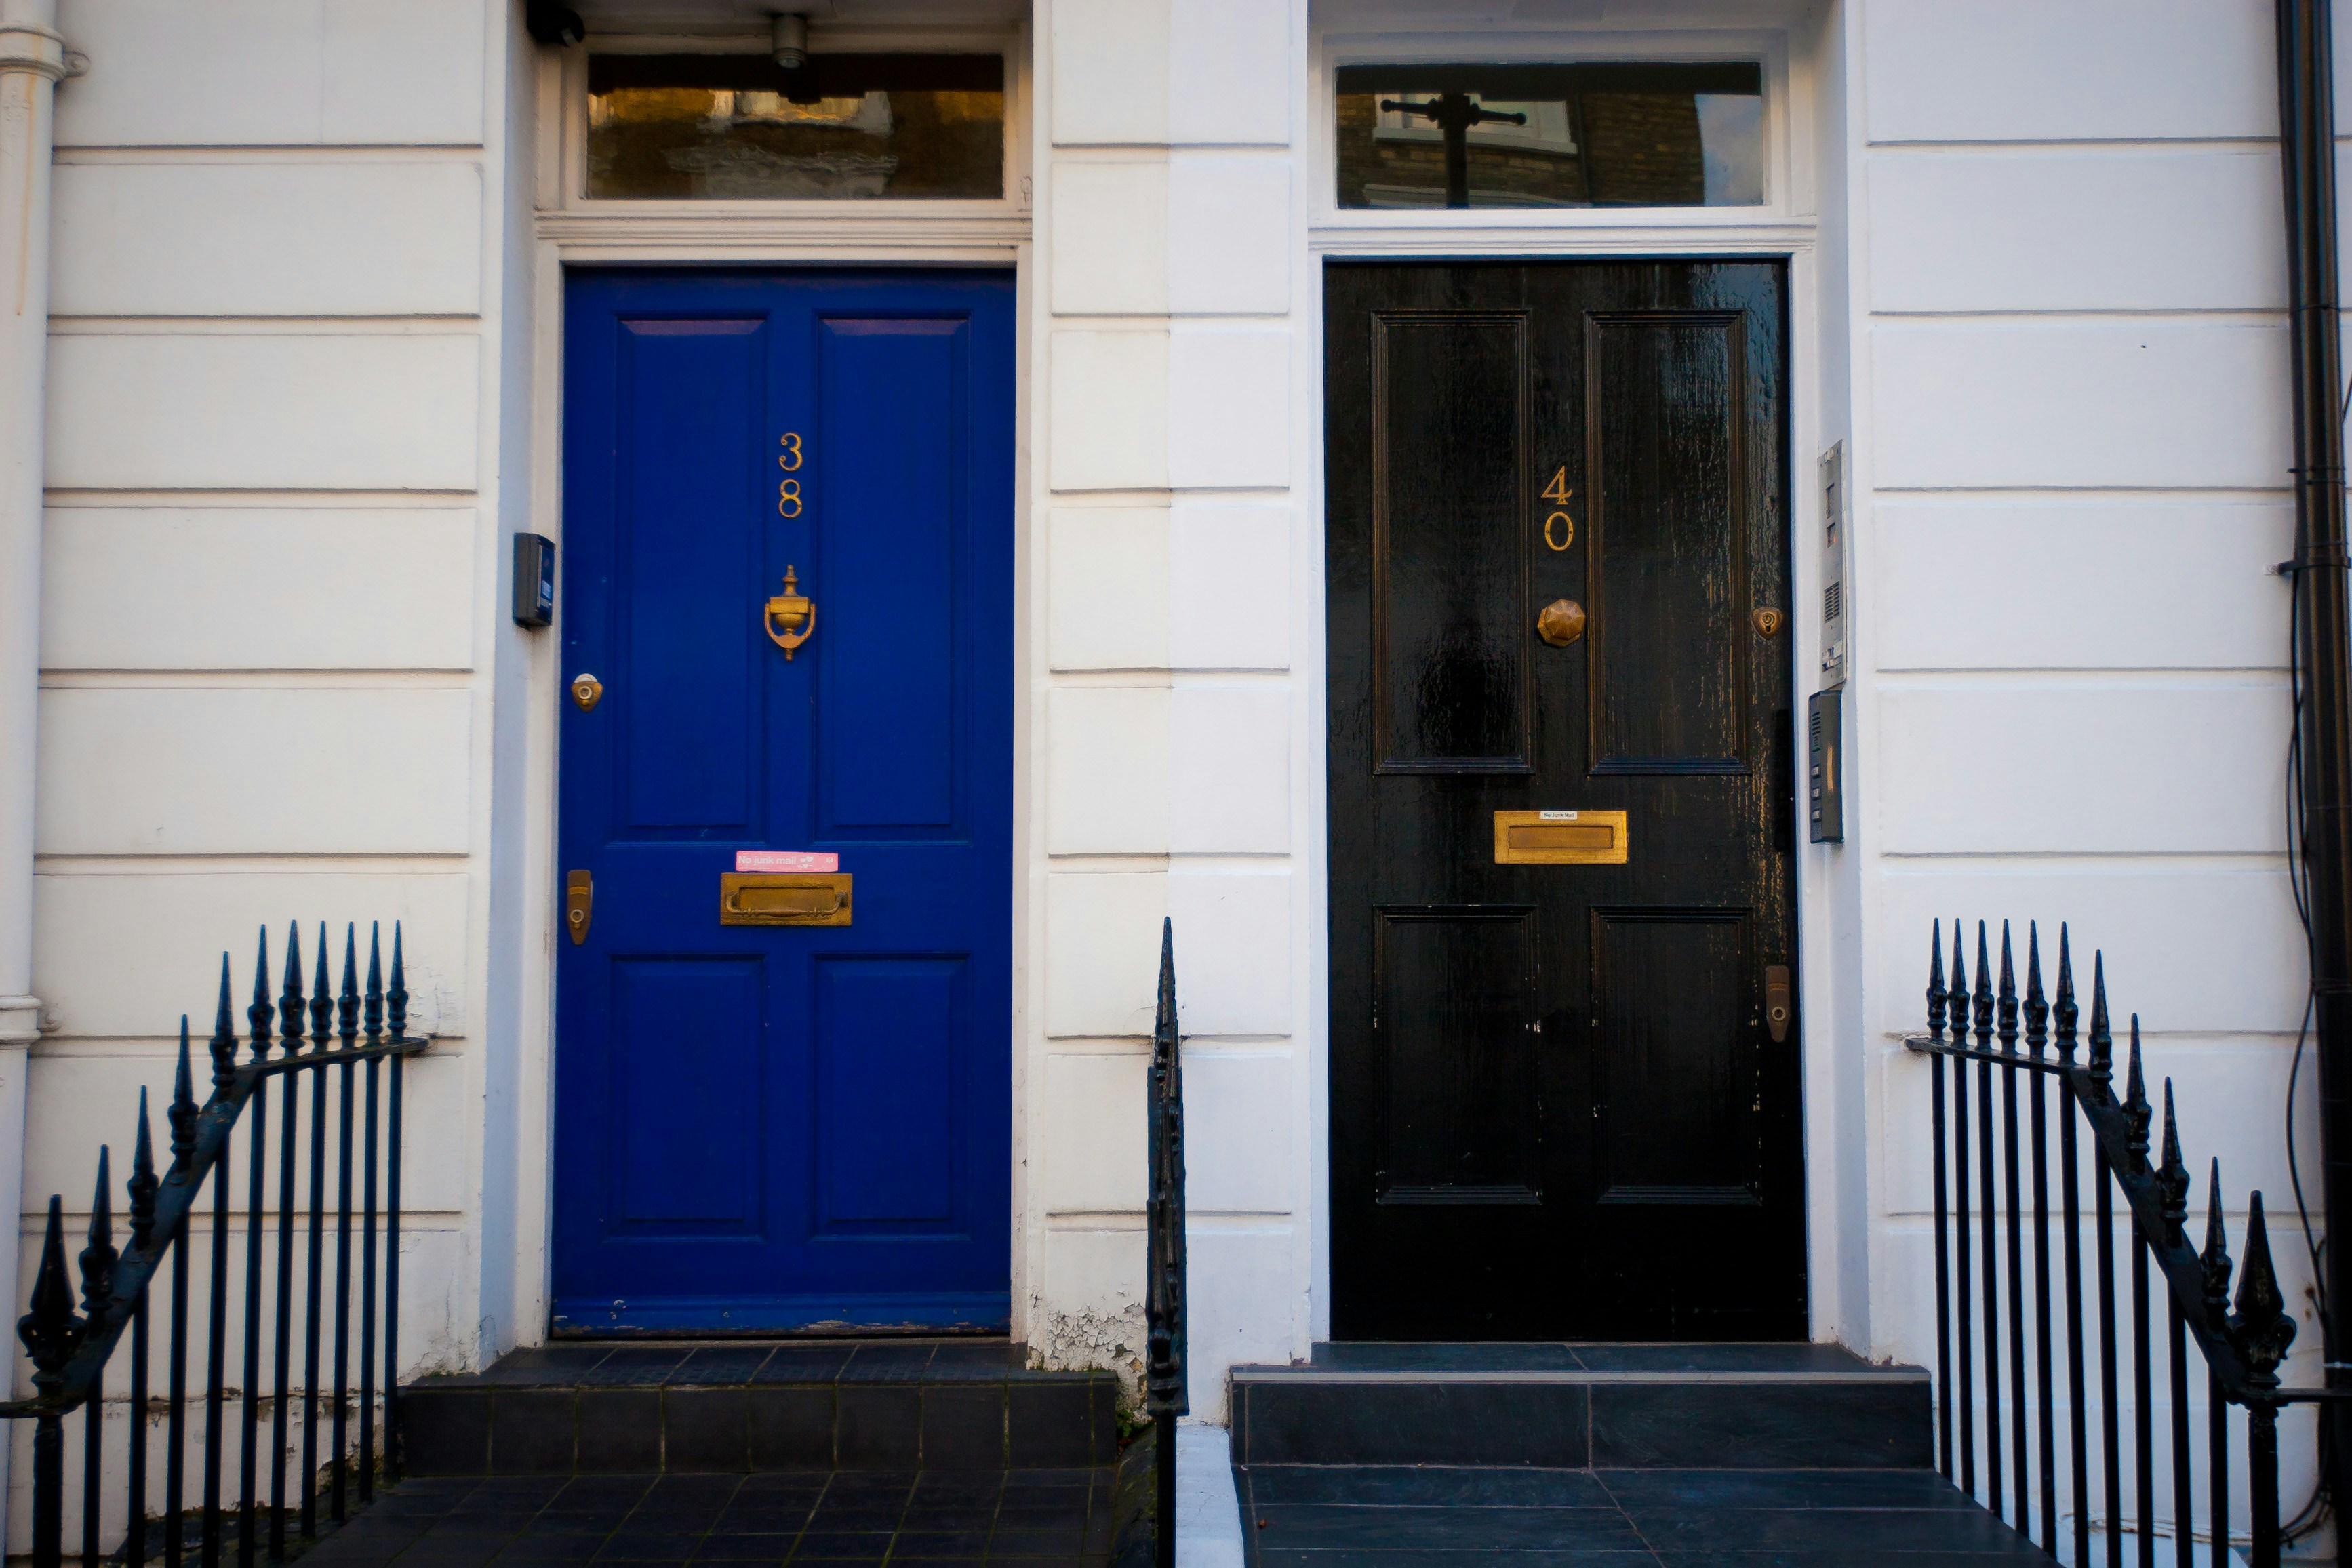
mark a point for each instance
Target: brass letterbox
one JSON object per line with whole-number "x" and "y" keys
{"x": 784, "y": 898}
{"x": 1559, "y": 838}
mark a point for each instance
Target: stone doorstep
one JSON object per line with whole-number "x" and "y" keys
{"x": 1582, "y": 1406}
{"x": 737, "y": 1409}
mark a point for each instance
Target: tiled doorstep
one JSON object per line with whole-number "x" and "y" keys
{"x": 1458, "y": 1517}
{"x": 1029, "y": 1519}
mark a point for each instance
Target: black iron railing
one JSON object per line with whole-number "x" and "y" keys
{"x": 2022, "y": 1339}
{"x": 71, "y": 1350}
{"x": 1163, "y": 1307}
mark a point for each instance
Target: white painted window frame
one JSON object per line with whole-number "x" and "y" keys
{"x": 1785, "y": 227}
{"x": 569, "y": 229}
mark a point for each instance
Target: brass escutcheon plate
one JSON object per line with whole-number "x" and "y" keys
{"x": 1559, "y": 838}
{"x": 784, "y": 898}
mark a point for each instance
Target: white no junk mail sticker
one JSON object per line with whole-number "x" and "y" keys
{"x": 785, "y": 860}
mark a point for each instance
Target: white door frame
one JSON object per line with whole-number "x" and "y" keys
{"x": 568, "y": 229}
{"x": 1787, "y": 228}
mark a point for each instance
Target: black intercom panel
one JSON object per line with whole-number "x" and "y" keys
{"x": 1825, "y": 748}
{"x": 534, "y": 581}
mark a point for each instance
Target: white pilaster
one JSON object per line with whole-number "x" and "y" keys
{"x": 32, "y": 60}
{"x": 1166, "y": 709}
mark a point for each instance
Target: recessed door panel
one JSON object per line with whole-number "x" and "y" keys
{"x": 693, "y": 392}
{"x": 685, "y": 1053}
{"x": 1451, "y": 593}
{"x": 892, "y": 403}
{"x": 1668, "y": 568}
{"x": 1456, "y": 1003}
{"x": 1676, "y": 1064}
{"x": 775, "y": 1125}
{"x": 892, "y": 1070}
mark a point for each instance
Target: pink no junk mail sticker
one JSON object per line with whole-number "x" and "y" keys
{"x": 785, "y": 860}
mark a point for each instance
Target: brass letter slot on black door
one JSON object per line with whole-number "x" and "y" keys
{"x": 1559, "y": 838}
{"x": 764, "y": 898}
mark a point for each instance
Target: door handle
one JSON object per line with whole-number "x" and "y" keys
{"x": 1561, "y": 623}
{"x": 1776, "y": 1001}
{"x": 579, "y": 905}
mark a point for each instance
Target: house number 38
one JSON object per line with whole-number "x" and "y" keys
{"x": 788, "y": 491}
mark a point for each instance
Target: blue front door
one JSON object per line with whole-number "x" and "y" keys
{"x": 776, "y": 1126}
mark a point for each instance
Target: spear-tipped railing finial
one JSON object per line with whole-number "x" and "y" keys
{"x": 395, "y": 996}
{"x": 2137, "y": 1112}
{"x": 2007, "y": 1008}
{"x": 224, "y": 1040}
{"x": 2103, "y": 1039}
{"x": 2262, "y": 1327}
{"x": 99, "y": 1256}
{"x": 50, "y": 1330}
{"x": 2172, "y": 1178}
{"x": 1982, "y": 1002}
{"x": 1936, "y": 982}
{"x": 2215, "y": 1258}
{"x": 143, "y": 1183}
{"x": 2037, "y": 1006}
{"x": 183, "y": 1112}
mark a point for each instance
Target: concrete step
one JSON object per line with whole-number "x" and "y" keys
{"x": 735, "y": 1406}
{"x": 1584, "y": 1405}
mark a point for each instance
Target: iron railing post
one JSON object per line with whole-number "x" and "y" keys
{"x": 1163, "y": 1383}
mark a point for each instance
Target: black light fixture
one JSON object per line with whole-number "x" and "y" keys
{"x": 553, "y": 26}
{"x": 788, "y": 37}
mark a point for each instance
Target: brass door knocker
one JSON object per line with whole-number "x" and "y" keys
{"x": 795, "y": 611}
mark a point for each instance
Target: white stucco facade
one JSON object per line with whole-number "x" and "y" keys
{"x": 305, "y": 262}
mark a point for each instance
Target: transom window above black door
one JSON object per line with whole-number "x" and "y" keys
{"x": 1605, "y": 135}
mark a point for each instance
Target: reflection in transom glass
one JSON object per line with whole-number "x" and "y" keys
{"x": 1633, "y": 135}
{"x": 839, "y": 128}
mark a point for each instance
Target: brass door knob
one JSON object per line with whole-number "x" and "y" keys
{"x": 1561, "y": 623}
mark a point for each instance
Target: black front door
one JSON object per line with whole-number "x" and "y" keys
{"x": 1562, "y": 818}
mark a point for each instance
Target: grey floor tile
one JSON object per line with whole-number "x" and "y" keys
{"x": 1320, "y": 1525}
{"x": 1375, "y": 1355}
{"x": 552, "y": 1549}
{"x": 731, "y": 1548}
{"x": 1826, "y": 1529}
{"x": 840, "y": 1543}
{"x": 1400, "y": 1484}
{"x": 1567, "y": 1557}
{"x": 941, "y": 1543}
{"x": 1759, "y": 1357}
{"x": 1643, "y": 1491}
{"x": 630, "y": 1545}
{"x": 1842, "y": 1557}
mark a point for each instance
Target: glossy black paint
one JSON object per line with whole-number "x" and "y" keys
{"x": 1555, "y": 1109}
